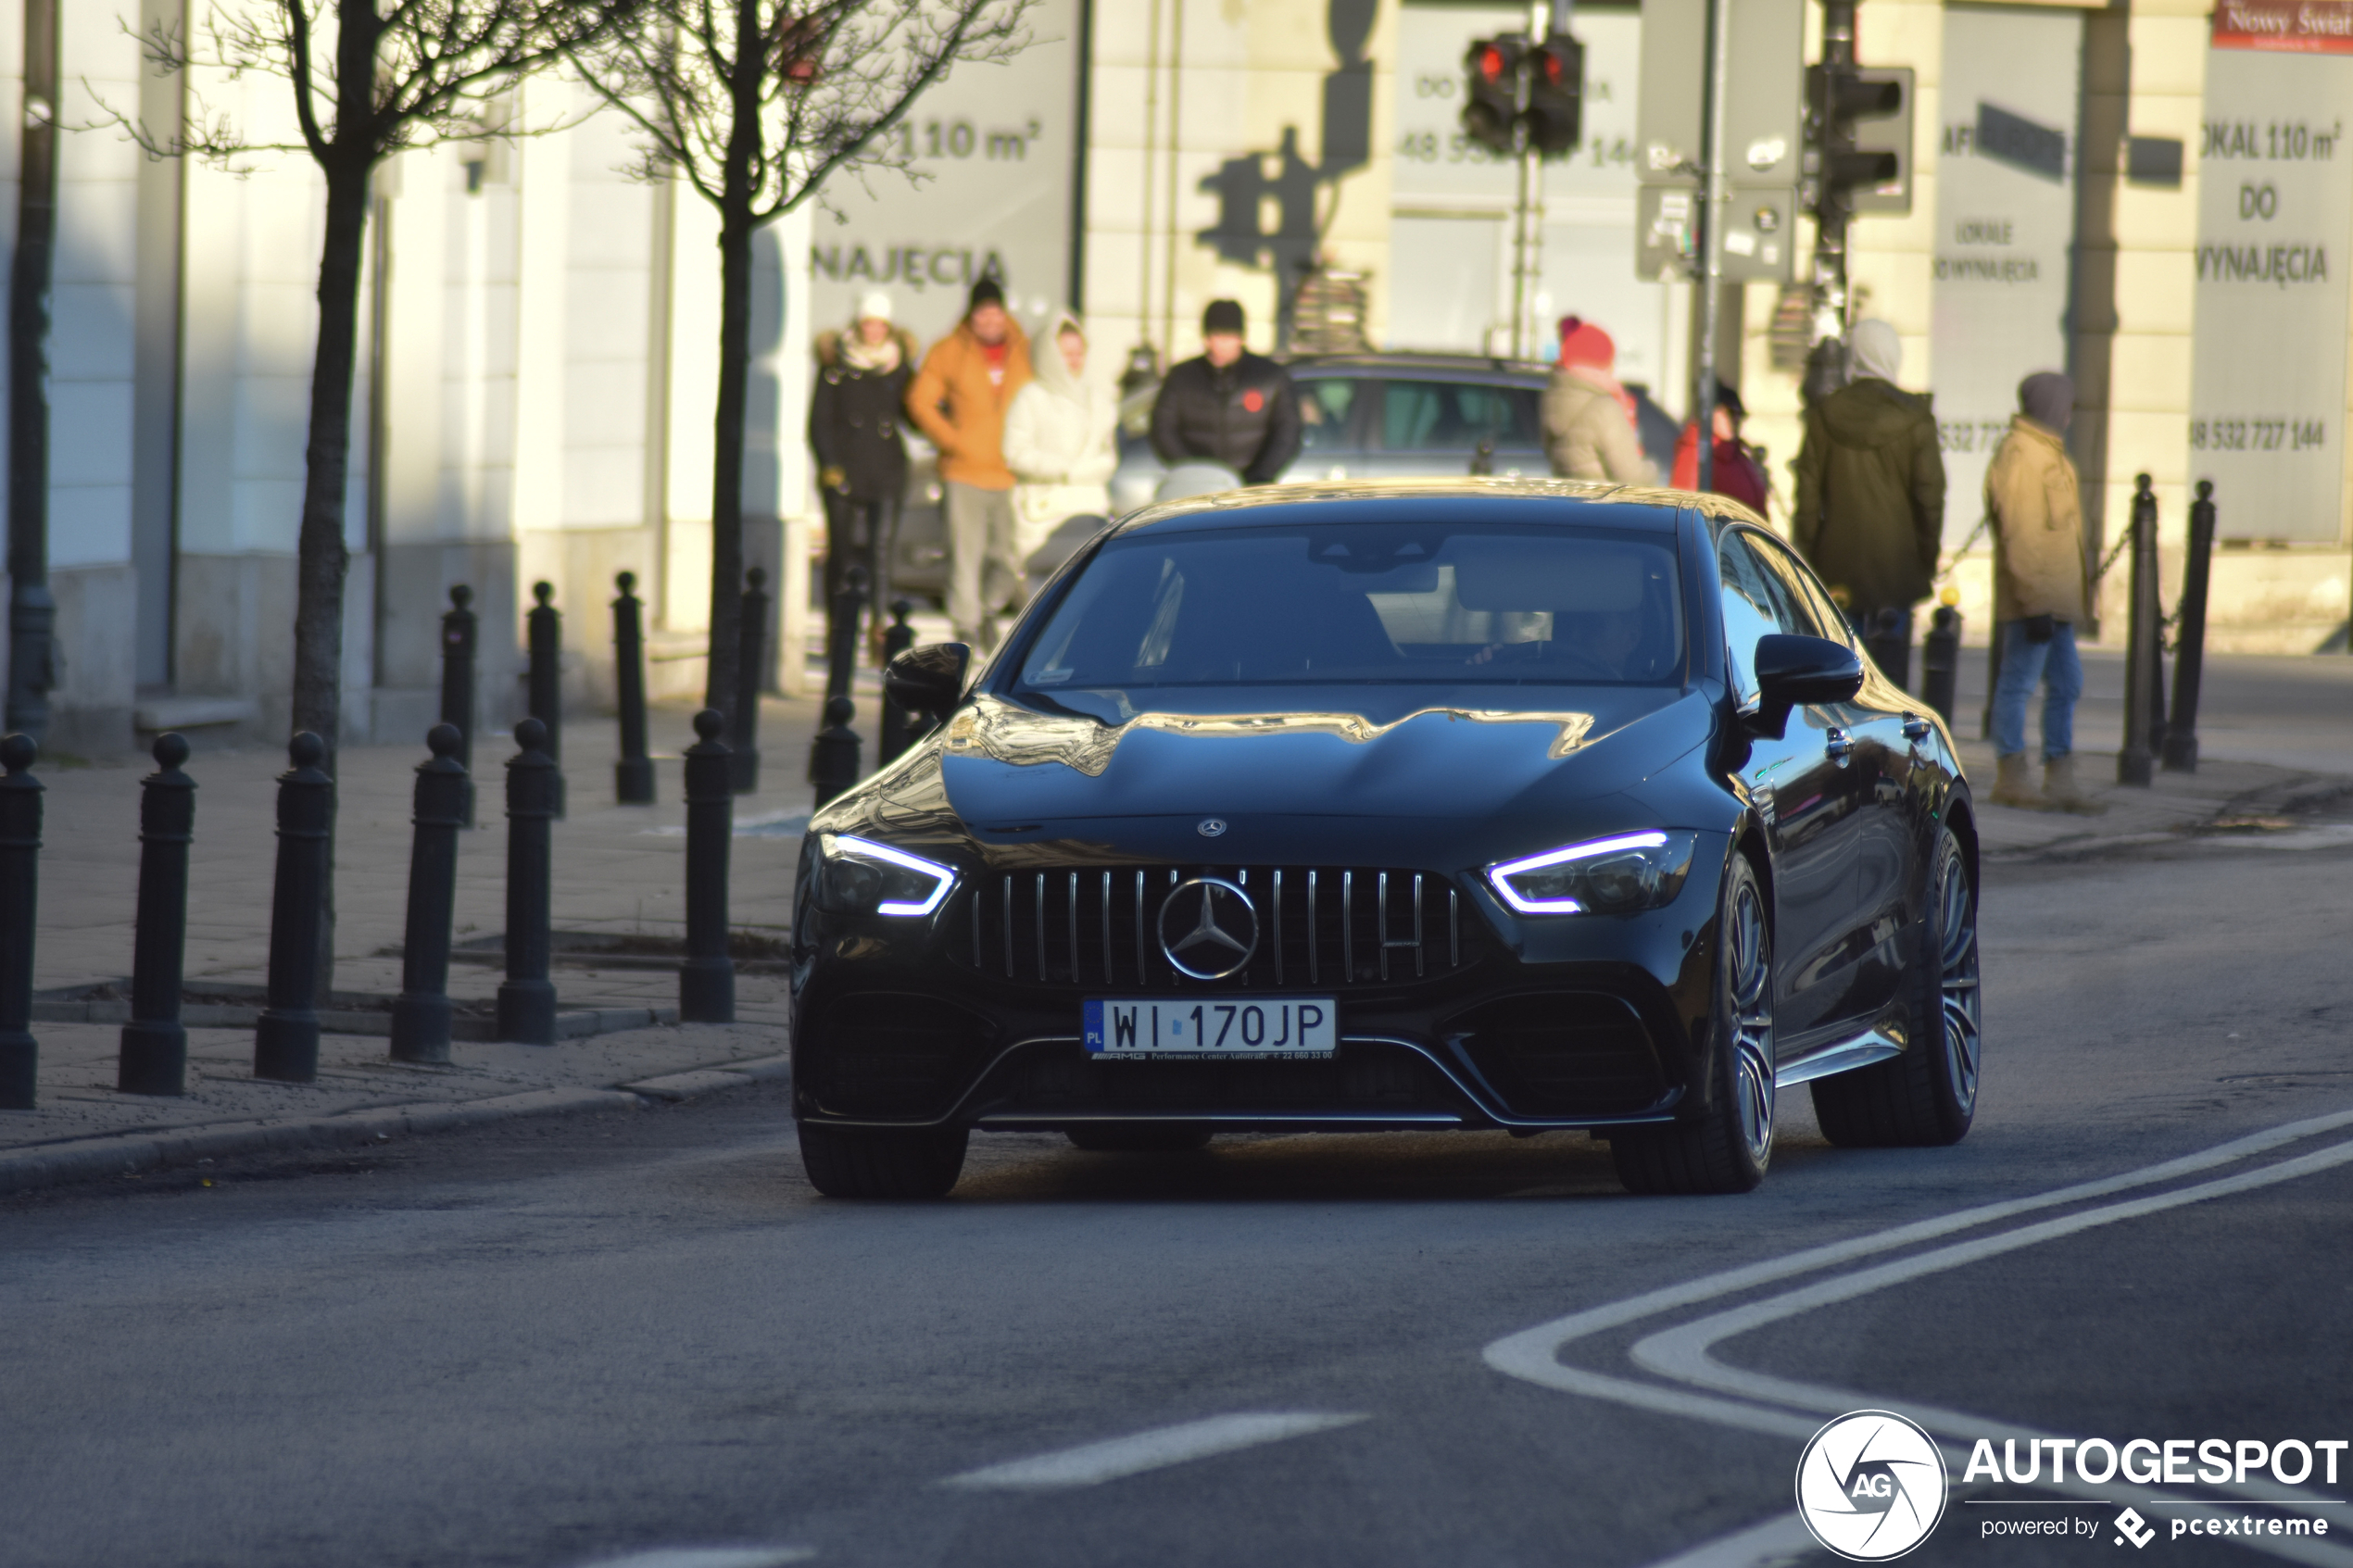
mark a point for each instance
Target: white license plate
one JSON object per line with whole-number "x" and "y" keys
{"x": 1281, "y": 1028}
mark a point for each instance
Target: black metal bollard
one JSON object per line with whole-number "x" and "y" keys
{"x": 154, "y": 1057}
{"x": 2189, "y": 636}
{"x": 707, "y": 977}
{"x": 752, "y": 679}
{"x": 421, "y": 1013}
{"x": 457, "y": 629}
{"x": 1940, "y": 660}
{"x": 527, "y": 997}
{"x": 833, "y": 755}
{"x": 547, "y": 684}
{"x": 20, "y": 898}
{"x": 2134, "y": 763}
{"x": 633, "y": 776}
{"x": 286, "y": 1039}
{"x": 893, "y": 733}
{"x": 841, "y": 643}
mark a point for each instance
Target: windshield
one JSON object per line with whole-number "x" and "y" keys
{"x": 1364, "y": 603}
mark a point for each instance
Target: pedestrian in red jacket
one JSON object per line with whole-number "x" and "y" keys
{"x": 1738, "y": 473}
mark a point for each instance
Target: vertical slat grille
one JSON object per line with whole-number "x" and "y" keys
{"x": 1096, "y": 930}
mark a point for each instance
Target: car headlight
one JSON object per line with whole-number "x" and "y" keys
{"x": 1602, "y": 876}
{"x": 857, "y": 876}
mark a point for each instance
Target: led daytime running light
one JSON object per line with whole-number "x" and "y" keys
{"x": 872, "y": 851}
{"x": 1498, "y": 877}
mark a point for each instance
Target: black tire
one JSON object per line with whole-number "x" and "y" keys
{"x": 882, "y": 1162}
{"x": 1148, "y": 1137}
{"x": 1928, "y": 1096}
{"x": 1727, "y": 1149}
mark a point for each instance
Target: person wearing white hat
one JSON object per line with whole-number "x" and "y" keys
{"x": 1060, "y": 441}
{"x": 854, "y": 423}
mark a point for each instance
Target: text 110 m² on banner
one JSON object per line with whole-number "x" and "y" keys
{"x": 2275, "y": 220}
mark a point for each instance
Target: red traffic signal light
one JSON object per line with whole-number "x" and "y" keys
{"x": 1493, "y": 102}
{"x": 1556, "y": 95}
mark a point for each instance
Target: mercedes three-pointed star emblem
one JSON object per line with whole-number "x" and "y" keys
{"x": 1208, "y": 928}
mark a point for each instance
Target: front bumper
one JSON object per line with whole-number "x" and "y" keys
{"x": 1548, "y": 1022}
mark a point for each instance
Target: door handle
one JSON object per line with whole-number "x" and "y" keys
{"x": 1837, "y": 744}
{"x": 1916, "y": 727}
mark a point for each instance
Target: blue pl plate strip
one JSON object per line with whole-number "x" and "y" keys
{"x": 1094, "y": 1026}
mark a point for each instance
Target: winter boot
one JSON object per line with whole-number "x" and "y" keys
{"x": 2060, "y": 792}
{"x": 2014, "y": 786}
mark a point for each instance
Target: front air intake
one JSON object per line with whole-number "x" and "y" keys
{"x": 892, "y": 1055}
{"x": 1566, "y": 1053}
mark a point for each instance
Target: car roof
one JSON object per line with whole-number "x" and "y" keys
{"x": 1589, "y": 503}
{"x": 1423, "y": 366}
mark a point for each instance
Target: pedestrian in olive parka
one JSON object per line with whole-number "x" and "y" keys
{"x": 1229, "y": 406}
{"x": 1870, "y": 494}
{"x": 854, "y": 423}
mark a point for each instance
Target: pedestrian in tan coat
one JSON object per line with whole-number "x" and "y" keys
{"x": 2042, "y": 592}
{"x": 959, "y": 399}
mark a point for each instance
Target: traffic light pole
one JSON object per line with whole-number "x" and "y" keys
{"x": 1830, "y": 211}
{"x": 1711, "y": 249}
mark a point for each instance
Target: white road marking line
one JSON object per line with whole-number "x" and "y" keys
{"x": 1109, "y": 1461}
{"x": 711, "y": 1557}
{"x": 1533, "y": 1355}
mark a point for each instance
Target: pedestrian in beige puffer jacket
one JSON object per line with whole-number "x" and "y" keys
{"x": 1589, "y": 417}
{"x": 2042, "y": 593}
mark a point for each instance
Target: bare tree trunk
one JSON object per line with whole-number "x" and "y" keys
{"x": 727, "y": 480}
{"x": 322, "y": 559}
{"x": 736, "y": 228}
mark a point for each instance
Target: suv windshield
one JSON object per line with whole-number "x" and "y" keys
{"x": 1362, "y": 603}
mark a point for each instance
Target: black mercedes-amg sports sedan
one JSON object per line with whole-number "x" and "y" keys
{"x": 1473, "y": 804}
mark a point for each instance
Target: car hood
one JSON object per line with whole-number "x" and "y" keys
{"x": 1287, "y": 778}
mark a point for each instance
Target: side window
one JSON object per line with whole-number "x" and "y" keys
{"x": 1822, "y": 615}
{"x": 1326, "y": 406}
{"x": 1757, "y": 602}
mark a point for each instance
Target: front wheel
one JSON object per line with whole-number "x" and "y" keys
{"x": 882, "y": 1161}
{"x": 1728, "y": 1147}
{"x": 1927, "y": 1096}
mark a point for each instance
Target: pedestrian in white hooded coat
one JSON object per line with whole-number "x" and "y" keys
{"x": 1060, "y": 443}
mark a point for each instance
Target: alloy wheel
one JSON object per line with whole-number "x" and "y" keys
{"x": 1750, "y": 958}
{"x": 1956, "y": 974}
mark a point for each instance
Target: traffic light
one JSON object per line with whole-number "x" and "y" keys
{"x": 1555, "y": 94}
{"x": 1493, "y": 100}
{"x": 1861, "y": 126}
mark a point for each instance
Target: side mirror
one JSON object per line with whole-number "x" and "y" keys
{"x": 928, "y": 680}
{"x": 1794, "y": 672}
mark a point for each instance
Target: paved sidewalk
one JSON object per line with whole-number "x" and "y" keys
{"x": 2275, "y": 751}
{"x": 619, "y": 874}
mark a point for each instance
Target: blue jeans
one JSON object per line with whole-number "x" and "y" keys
{"x": 2024, "y": 664}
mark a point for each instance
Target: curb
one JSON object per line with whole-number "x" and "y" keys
{"x": 122, "y": 1154}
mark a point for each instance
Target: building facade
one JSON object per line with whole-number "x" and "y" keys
{"x": 2147, "y": 194}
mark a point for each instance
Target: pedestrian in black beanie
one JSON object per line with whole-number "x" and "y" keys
{"x": 1229, "y": 406}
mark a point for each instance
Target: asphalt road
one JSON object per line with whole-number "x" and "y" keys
{"x": 583, "y": 1341}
